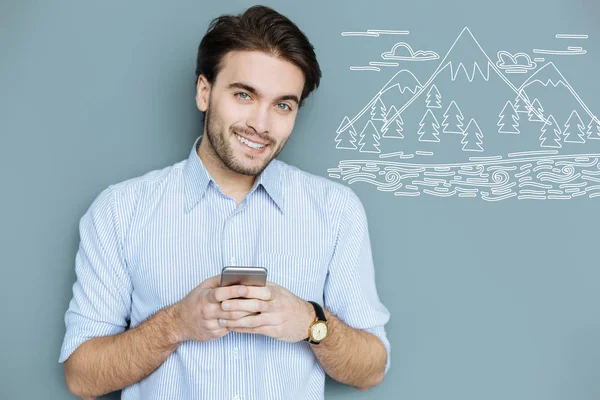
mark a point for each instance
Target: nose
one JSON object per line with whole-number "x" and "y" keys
{"x": 259, "y": 119}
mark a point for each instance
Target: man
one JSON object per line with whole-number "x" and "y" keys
{"x": 148, "y": 314}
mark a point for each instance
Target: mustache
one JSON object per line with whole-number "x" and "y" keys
{"x": 249, "y": 132}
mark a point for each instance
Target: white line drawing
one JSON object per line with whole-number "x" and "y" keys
{"x": 455, "y": 124}
{"x": 434, "y": 99}
{"x": 550, "y": 75}
{"x": 387, "y": 32}
{"x": 472, "y": 137}
{"x": 569, "y": 36}
{"x": 526, "y": 174}
{"x": 383, "y": 64}
{"x": 515, "y": 62}
{"x": 410, "y": 55}
{"x": 465, "y": 36}
{"x": 593, "y": 131}
{"x": 540, "y": 111}
{"x": 369, "y": 139}
{"x": 560, "y": 52}
{"x": 429, "y": 128}
{"x": 510, "y": 118}
{"x": 516, "y": 71}
{"x": 551, "y": 134}
{"x": 358, "y": 68}
{"x": 491, "y": 158}
{"x": 360, "y": 34}
{"x": 497, "y": 183}
{"x": 389, "y": 155}
{"x": 574, "y": 129}
{"x": 533, "y": 153}
{"x": 354, "y": 68}
{"x": 393, "y": 133}
{"x": 346, "y": 139}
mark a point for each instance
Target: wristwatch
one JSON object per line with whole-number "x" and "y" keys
{"x": 317, "y": 331}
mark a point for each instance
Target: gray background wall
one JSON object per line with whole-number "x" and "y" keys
{"x": 489, "y": 299}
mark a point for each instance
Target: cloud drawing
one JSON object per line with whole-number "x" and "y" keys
{"x": 516, "y": 61}
{"x": 403, "y": 52}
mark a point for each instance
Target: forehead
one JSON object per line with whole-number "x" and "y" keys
{"x": 270, "y": 75}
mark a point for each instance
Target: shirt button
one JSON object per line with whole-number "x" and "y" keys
{"x": 232, "y": 261}
{"x": 235, "y": 351}
{"x": 236, "y": 397}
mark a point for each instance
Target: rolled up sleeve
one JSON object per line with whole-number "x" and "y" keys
{"x": 350, "y": 289}
{"x": 101, "y": 302}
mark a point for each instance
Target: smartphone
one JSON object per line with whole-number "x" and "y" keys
{"x": 249, "y": 276}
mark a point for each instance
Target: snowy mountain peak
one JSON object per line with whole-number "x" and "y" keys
{"x": 403, "y": 80}
{"x": 466, "y": 54}
{"x": 547, "y": 75}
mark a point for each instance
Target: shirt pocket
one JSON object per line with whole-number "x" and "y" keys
{"x": 304, "y": 276}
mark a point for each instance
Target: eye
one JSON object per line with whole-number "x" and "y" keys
{"x": 284, "y": 107}
{"x": 243, "y": 95}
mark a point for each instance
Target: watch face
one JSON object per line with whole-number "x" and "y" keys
{"x": 319, "y": 331}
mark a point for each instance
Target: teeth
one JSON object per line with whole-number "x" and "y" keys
{"x": 249, "y": 143}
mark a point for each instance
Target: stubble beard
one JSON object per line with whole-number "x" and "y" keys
{"x": 217, "y": 137}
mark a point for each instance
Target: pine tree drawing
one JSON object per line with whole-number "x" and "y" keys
{"x": 453, "y": 119}
{"x": 378, "y": 110}
{"x": 472, "y": 137}
{"x": 520, "y": 103}
{"x": 594, "y": 129}
{"x": 434, "y": 98}
{"x": 393, "y": 133}
{"x": 574, "y": 129}
{"x": 508, "y": 119}
{"x": 537, "y": 107}
{"x": 550, "y": 136}
{"x": 429, "y": 128}
{"x": 369, "y": 139}
{"x": 347, "y": 138}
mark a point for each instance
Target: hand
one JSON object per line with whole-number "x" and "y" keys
{"x": 281, "y": 315}
{"x": 196, "y": 315}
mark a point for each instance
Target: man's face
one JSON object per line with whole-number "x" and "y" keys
{"x": 250, "y": 109}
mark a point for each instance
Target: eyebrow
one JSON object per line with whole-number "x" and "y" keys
{"x": 248, "y": 88}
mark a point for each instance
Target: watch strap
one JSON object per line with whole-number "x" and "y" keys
{"x": 318, "y": 310}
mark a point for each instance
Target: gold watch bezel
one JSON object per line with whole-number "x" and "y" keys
{"x": 311, "y": 328}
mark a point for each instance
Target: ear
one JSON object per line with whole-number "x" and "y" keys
{"x": 202, "y": 93}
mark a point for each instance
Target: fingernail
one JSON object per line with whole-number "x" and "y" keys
{"x": 242, "y": 290}
{"x": 222, "y": 322}
{"x": 225, "y": 306}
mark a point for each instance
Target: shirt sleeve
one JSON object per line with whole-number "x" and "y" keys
{"x": 350, "y": 290}
{"x": 101, "y": 301}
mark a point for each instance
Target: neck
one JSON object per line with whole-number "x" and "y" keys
{"x": 233, "y": 184}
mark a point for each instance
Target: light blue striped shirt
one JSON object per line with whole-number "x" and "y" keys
{"x": 148, "y": 241}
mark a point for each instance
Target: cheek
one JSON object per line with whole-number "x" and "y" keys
{"x": 283, "y": 128}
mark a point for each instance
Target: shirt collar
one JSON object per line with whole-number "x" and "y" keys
{"x": 197, "y": 179}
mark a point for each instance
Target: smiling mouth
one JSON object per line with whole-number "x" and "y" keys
{"x": 253, "y": 145}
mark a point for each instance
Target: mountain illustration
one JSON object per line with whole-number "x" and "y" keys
{"x": 395, "y": 93}
{"x": 465, "y": 82}
{"x": 477, "y": 131}
{"x": 555, "y": 94}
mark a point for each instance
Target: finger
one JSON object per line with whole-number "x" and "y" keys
{"x": 261, "y": 330}
{"x": 249, "y": 305}
{"x": 233, "y": 315}
{"x": 251, "y": 321}
{"x": 266, "y": 293}
{"x": 228, "y": 292}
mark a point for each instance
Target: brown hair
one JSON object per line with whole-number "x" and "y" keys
{"x": 259, "y": 28}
